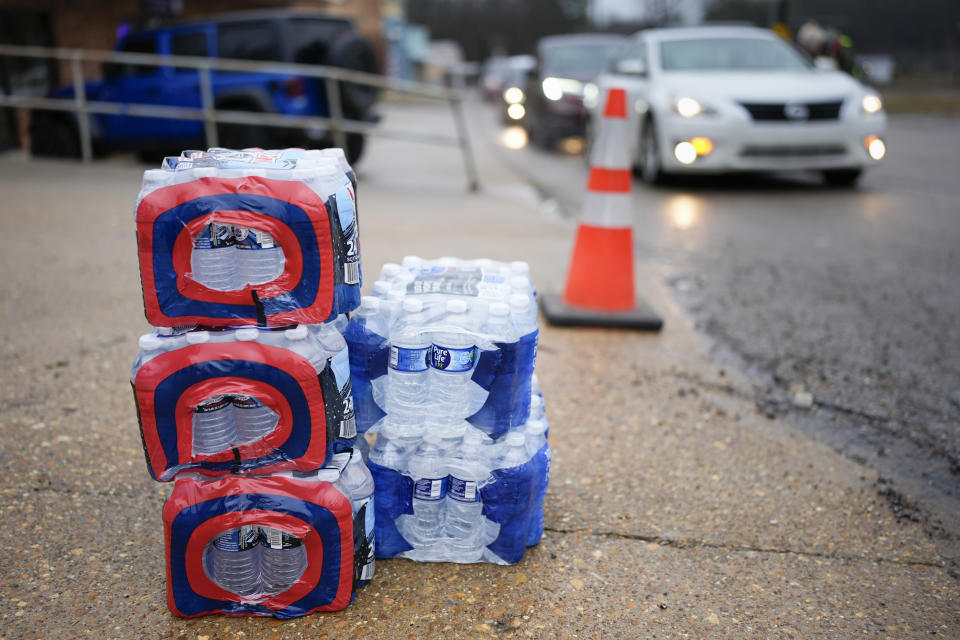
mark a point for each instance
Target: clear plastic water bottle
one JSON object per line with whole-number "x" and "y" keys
{"x": 523, "y": 314}
{"x": 233, "y": 560}
{"x": 452, "y": 358}
{"x": 407, "y": 371}
{"x": 283, "y": 559}
{"x": 254, "y": 420}
{"x": 259, "y": 258}
{"x": 389, "y": 453}
{"x": 357, "y": 483}
{"x": 212, "y": 261}
{"x": 299, "y": 340}
{"x": 514, "y": 451}
{"x": 428, "y": 469}
{"x": 467, "y": 471}
{"x": 213, "y": 427}
{"x": 535, "y": 435}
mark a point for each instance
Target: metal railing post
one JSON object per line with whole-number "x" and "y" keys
{"x": 336, "y": 112}
{"x": 80, "y": 98}
{"x": 206, "y": 102}
{"x": 456, "y": 104}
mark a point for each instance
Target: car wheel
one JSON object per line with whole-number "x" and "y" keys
{"x": 355, "y": 53}
{"x": 53, "y": 135}
{"x": 355, "y": 145}
{"x": 240, "y": 136}
{"x": 841, "y": 177}
{"x": 651, "y": 165}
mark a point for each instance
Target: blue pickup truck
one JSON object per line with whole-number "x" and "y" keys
{"x": 276, "y": 36}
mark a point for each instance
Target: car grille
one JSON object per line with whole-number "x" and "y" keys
{"x": 795, "y": 151}
{"x": 777, "y": 111}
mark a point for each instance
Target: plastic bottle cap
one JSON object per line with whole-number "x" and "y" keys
{"x": 297, "y": 333}
{"x": 448, "y": 261}
{"x": 164, "y": 331}
{"x": 515, "y": 438}
{"x": 520, "y": 282}
{"x": 149, "y": 342}
{"x": 369, "y": 303}
{"x": 499, "y": 309}
{"x": 536, "y": 426}
{"x": 405, "y": 277}
{"x": 519, "y": 301}
{"x": 247, "y": 334}
{"x": 412, "y": 305}
{"x": 397, "y": 294}
{"x": 333, "y": 152}
{"x": 411, "y": 262}
{"x": 198, "y": 337}
{"x": 456, "y": 306}
{"x": 390, "y": 269}
{"x": 380, "y": 289}
{"x": 521, "y": 267}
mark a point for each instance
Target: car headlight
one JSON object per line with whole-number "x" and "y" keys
{"x": 513, "y": 95}
{"x": 591, "y": 93}
{"x": 554, "y": 88}
{"x": 871, "y": 103}
{"x": 689, "y": 108}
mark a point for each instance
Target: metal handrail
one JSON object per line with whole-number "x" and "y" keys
{"x": 338, "y": 125}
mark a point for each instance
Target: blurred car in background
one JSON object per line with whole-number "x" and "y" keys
{"x": 718, "y": 99}
{"x": 554, "y": 94}
{"x": 513, "y": 95}
{"x": 273, "y": 35}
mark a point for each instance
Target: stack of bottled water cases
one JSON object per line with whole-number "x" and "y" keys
{"x": 249, "y": 237}
{"x": 442, "y": 358}
{"x": 249, "y": 264}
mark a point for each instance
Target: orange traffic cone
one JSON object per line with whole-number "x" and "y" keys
{"x": 600, "y": 289}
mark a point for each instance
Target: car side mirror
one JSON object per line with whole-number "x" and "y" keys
{"x": 631, "y": 67}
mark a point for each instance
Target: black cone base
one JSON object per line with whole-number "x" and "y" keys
{"x": 641, "y": 317}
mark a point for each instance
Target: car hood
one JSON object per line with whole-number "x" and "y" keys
{"x": 753, "y": 86}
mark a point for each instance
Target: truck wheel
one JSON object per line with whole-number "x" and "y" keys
{"x": 355, "y": 53}
{"x": 241, "y": 136}
{"x": 53, "y": 135}
{"x": 355, "y": 145}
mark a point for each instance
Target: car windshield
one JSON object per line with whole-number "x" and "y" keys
{"x": 578, "y": 59}
{"x": 729, "y": 54}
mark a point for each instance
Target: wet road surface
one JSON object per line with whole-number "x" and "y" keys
{"x": 851, "y": 295}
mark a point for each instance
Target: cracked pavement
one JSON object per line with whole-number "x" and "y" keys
{"x": 677, "y": 507}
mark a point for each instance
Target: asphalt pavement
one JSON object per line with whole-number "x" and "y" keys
{"x": 850, "y": 295}
{"x": 677, "y": 507}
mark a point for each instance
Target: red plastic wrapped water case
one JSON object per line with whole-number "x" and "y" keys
{"x": 198, "y": 511}
{"x": 292, "y": 213}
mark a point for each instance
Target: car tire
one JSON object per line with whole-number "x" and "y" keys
{"x": 651, "y": 163}
{"x": 53, "y": 135}
{"x": 355, "y": 145}
{"x": 354, "y": 53}
{"x": 842, "y": 177}
{"x": 240, "y": 136}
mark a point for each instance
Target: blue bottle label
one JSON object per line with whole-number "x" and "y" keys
{"x": 246, "y": 402}
{"x": 404, "y": 359}
{"x": 430, "y": 489}
{"x": 453, "y": 360}
{"x": 463, "y": 490}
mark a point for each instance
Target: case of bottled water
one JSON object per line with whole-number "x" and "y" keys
{"x": 283, "y": 545}
{"x": 442, "y": 358}
{"x": 230, "y": 238}
{"x": 246, "y": 399}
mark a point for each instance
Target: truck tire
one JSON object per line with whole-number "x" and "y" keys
{"x": 354, "y": 53}
{"x": 53, "y": 135}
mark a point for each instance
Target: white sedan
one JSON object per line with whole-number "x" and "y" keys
{"x": 719, "y": 99}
